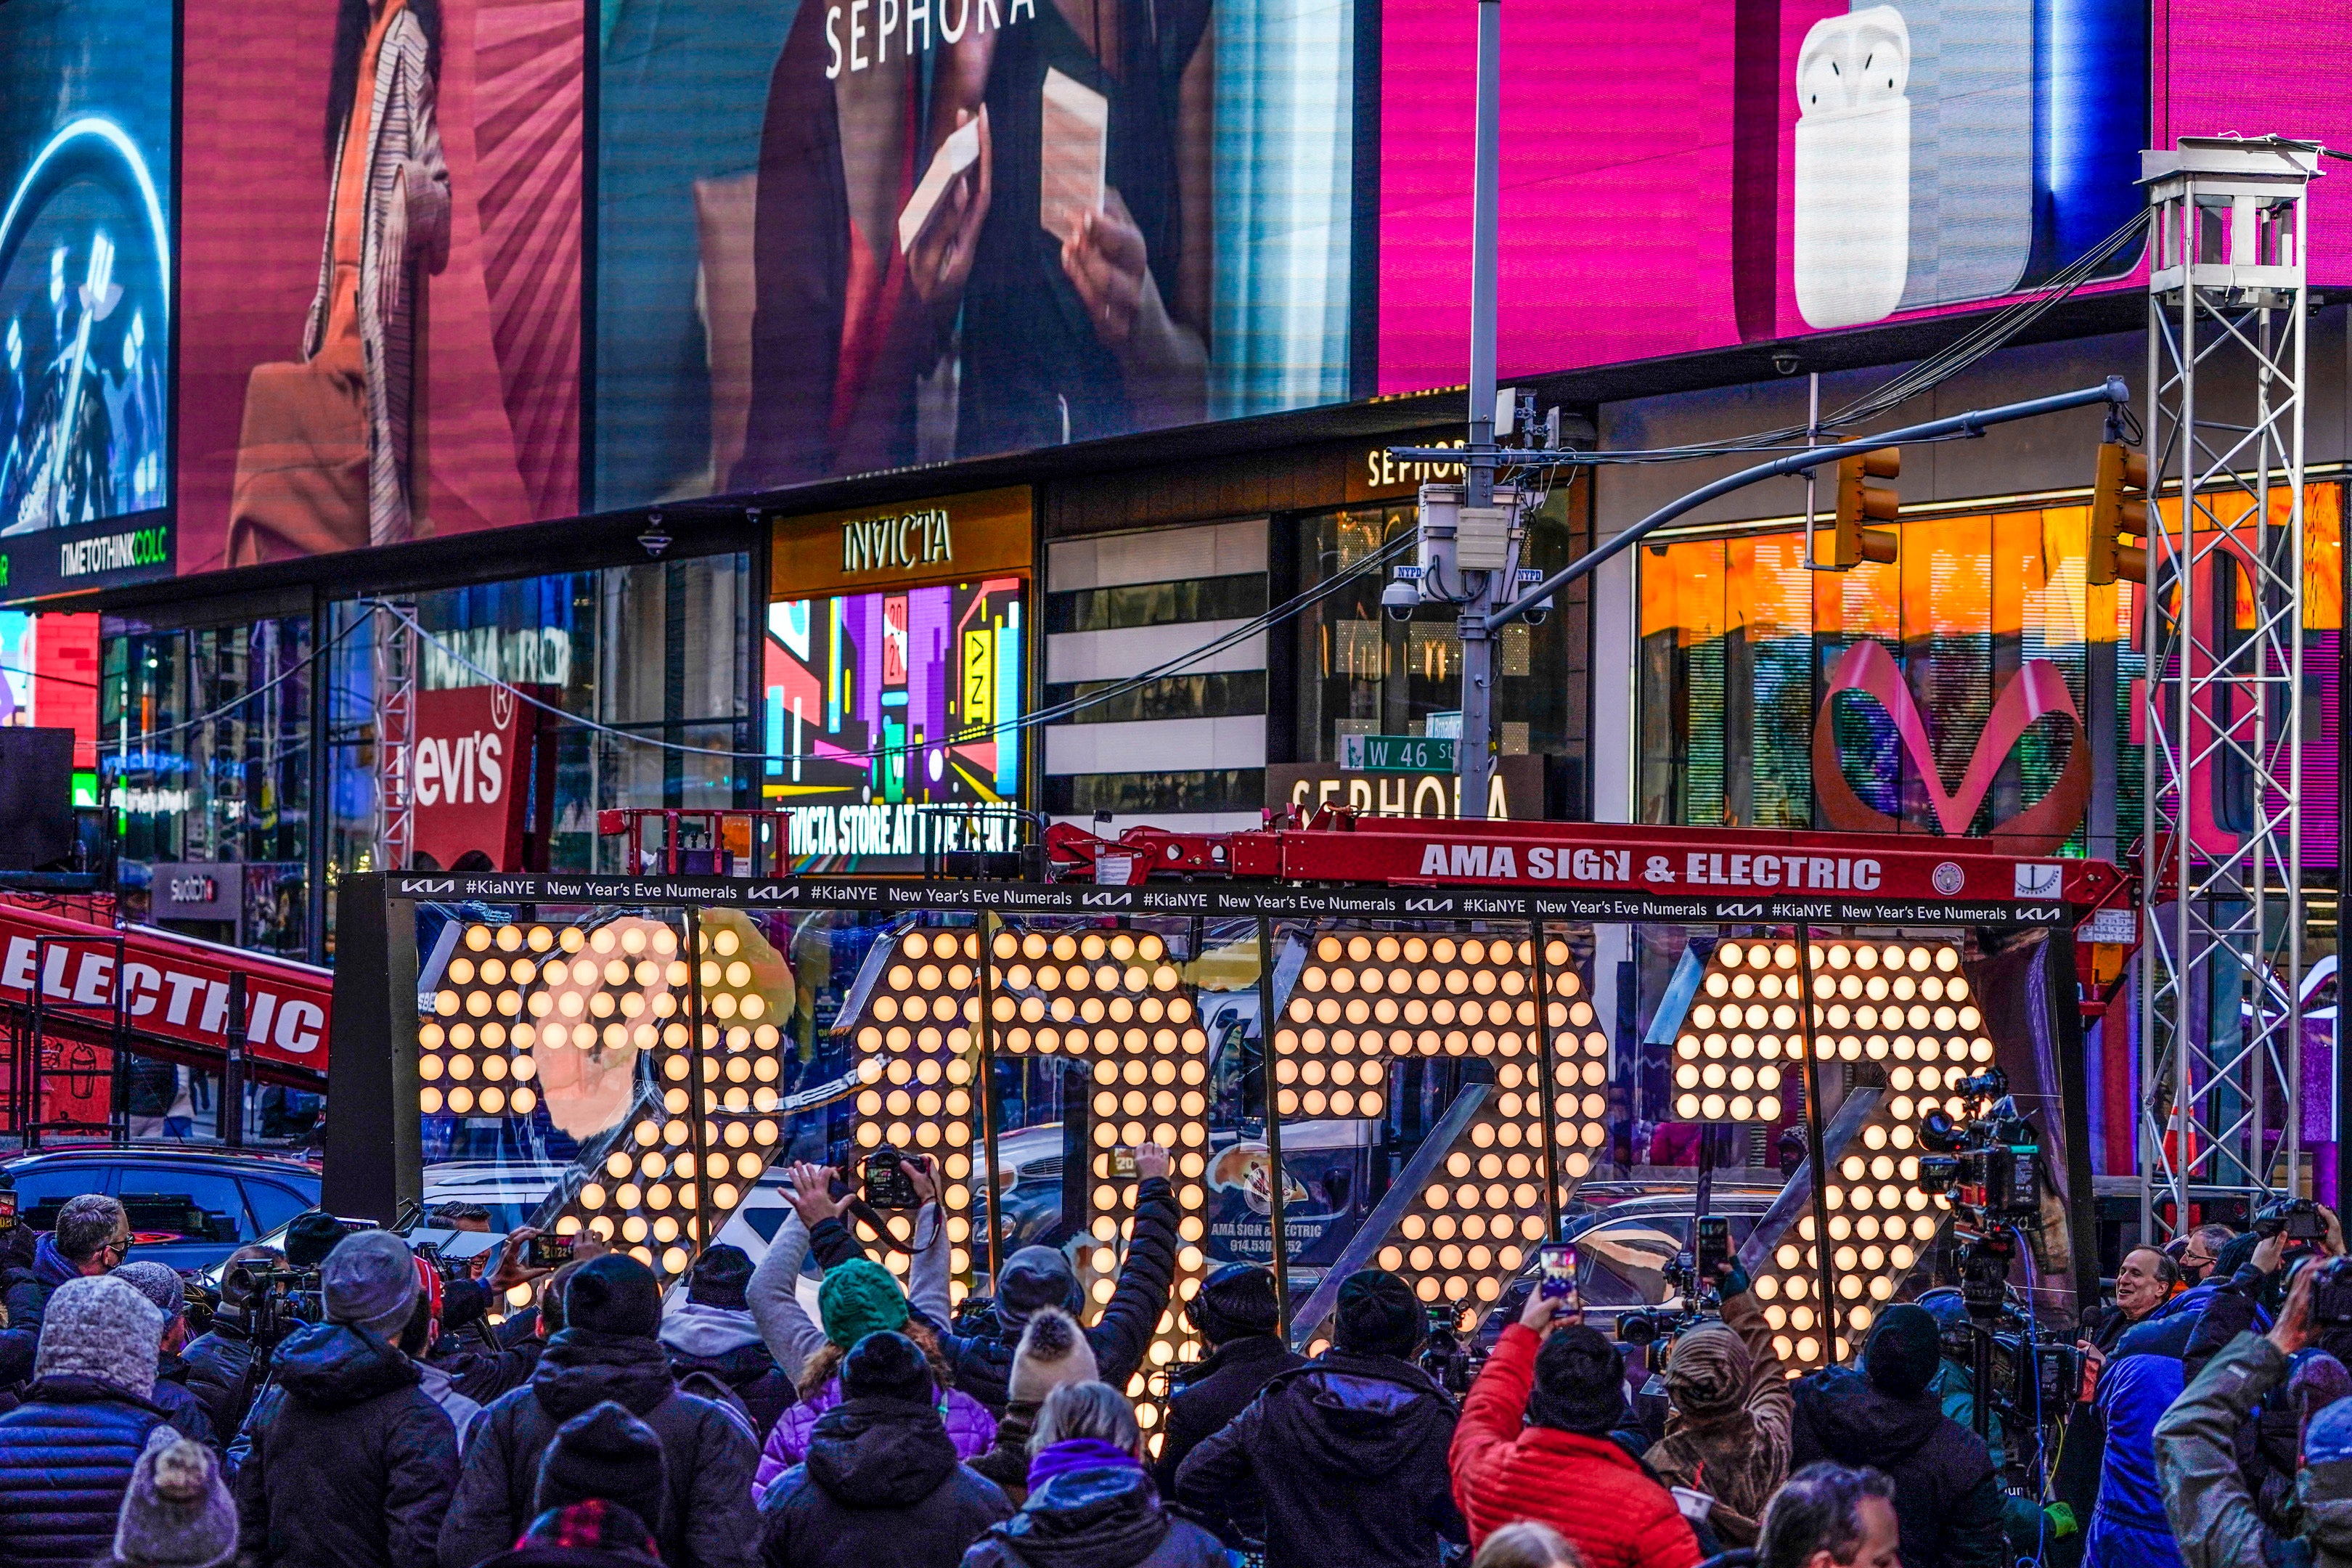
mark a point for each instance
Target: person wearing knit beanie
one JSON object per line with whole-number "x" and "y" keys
{"x": 1052, "y": 1351}
{"x": 859, "y": 1298}
{"x": 368, "y": 1281}
{"x": 1377, "y": 1315}
{"x": 177, "y": 1513}
{"x": 1903, "y": 1350}
{"x": 613, "y": 1294}
{"x": 102, "y": 1329}
{"x": 604, "y": 1452}
{"x": 68, "y": 1452}
{"x": 887, "y": 1366}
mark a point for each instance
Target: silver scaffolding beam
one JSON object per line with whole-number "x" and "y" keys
{"x": 395, "y": 672}
{"x": 2222, "y": 975}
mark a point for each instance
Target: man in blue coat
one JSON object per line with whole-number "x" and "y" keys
{"x": 2136, "y": 1384}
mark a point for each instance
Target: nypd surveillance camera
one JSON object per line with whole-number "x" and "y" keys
{"x": 1401, "y": 599}
{"x": 1539, "y": 612}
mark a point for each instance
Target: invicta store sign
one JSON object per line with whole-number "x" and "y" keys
{"x": 903, "y": 542}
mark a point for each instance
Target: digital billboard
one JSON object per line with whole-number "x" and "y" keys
{"x": 837, "y": 237}
{"x": 86, "y": 314}
{"x": 889, "y": 715}
{"x": 1739, "y": 170}
{"x": 381, "y": 223}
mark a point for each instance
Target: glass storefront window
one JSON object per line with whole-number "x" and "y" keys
{"x": 195, "y": 774}
{"x": 650, "y": 654}
{"x": 1362, "y": 673}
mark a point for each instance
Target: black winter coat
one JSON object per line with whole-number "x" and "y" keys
{"x": 218, "y": 1363}
{"x": 1219, "y": 1389}
{"x": 1098, "y": 1518}
{"x": 1348, "y": 1457}
{"x": 480, "y": 1368}
{"x": 983, "y": 1361}
{"x": 708, "y": 1520}
{"x": 349, "y": 1464}
{"x": 180, "y": 1404}
{"x": 880, "y": 1488}
{"x": 1946, "y": 1498}
{"x": 66, "y": 1458}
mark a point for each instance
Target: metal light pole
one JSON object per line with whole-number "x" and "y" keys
{"x": 1474, "y": 757}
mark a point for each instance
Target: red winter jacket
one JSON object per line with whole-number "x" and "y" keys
{"x": 1588, "y": 1489}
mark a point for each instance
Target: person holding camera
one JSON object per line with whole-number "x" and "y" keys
{"x": 1536, "y": 1442}
{"x": 2212, "y": 1514}
{"x": 1038, "y": 1276}
{"x": 220, "y": 1359}
{"x": 1729, "y": 1434}
{"x": 1346, "y": 1454}
{"x": 612, "y": 1308}
{"x": 347, "y": 1459}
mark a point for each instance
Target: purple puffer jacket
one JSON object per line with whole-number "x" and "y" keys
{"x": 969, "y": 1426}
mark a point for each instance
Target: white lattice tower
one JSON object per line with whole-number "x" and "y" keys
{"x": 2221, "y": 974}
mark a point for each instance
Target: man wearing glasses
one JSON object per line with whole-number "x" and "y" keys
{"x": 92, "y": 1236}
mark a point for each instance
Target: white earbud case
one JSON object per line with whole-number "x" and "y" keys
{"x": 1853, "y": 186}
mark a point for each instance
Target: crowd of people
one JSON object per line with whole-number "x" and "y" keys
{"x": 602, "y": 1428}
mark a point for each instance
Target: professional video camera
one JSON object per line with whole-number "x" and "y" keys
{"x": 278, "y": 1300}
{"x": 1990, "y": 1163}
{"x": 1451, "y": 1362}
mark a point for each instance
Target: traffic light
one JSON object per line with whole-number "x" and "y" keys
{"x": 2119, "y": 506}
{"x": 1860, "y": 501}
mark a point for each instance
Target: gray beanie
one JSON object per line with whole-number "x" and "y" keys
{"x": 368, "y": 1281}
{"x": 102, "y": 1329}
{"x": 177, "y": 1513}
{"x": 159, "y": 1282}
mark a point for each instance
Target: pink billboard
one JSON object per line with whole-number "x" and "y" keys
{"x": 1682, "y": 179}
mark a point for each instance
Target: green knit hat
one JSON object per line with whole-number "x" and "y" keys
{"x": 858, "y": 1299}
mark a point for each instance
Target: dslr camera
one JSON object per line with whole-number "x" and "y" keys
{"x": 889, "y": 1183}
{"x": 2298, "y": 1219}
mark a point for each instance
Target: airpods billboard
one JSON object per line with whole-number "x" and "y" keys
{"x": 1682, "y": 179}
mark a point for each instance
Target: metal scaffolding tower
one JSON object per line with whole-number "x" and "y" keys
{"x": 2220, "y": 976}
{"x": 396, "y": 672}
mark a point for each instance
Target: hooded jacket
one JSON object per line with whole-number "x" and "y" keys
{"x": 219, "y": 1363}
{"x": 1947, "y": 1497}
{"x": 2135, "y": 1387}
{"x": 1728, "y": 1435}
{"x": 1347, "y": 1456}
{"x": 30, "y": 1289}
{"x": 1588, "y": 1488}
{"x": 970, "y": 1429}
{"x": 2205, "y": 1497}
{"x": 708, "y": 1520}
{"x": 1217, "y": 1390}
{"x": 984, "y": 1360}
{"x": 724, "y": 1343}
{"x": 348, "y": 1461}
{"x": 881, "y": 1487}
{"x": 66, "y": 1457}
{"x": 1107, "y": 1518}
{"x": 438, "y": 1388}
